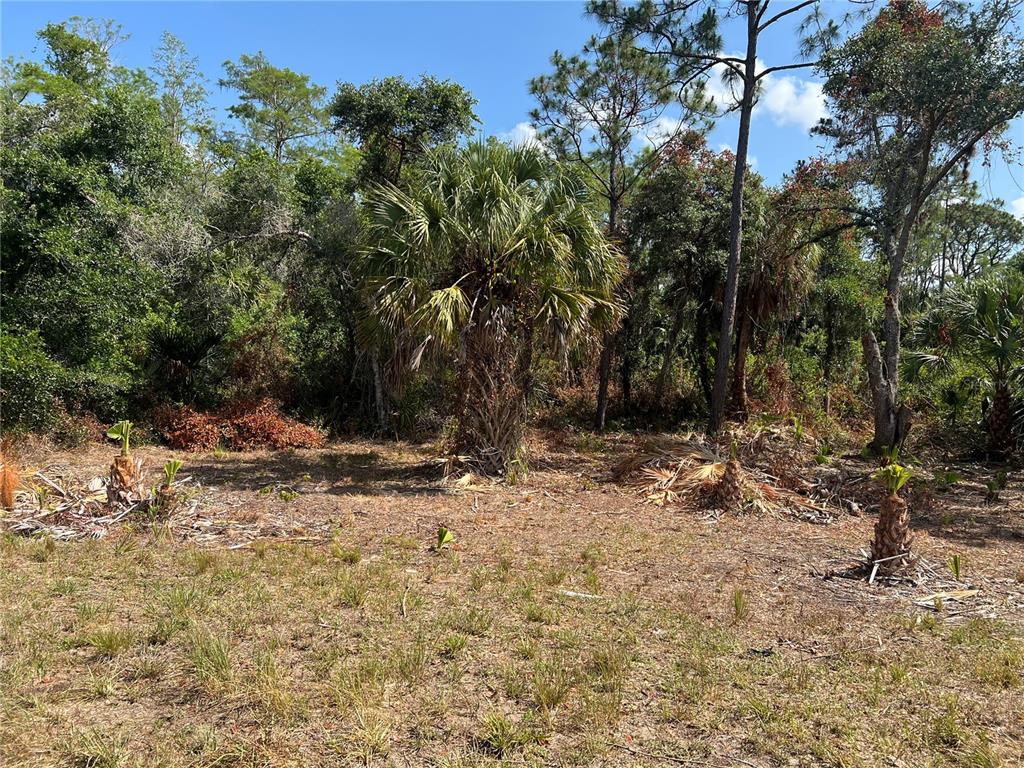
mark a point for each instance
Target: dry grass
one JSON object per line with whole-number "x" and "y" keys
{"x": 570, "y": 625}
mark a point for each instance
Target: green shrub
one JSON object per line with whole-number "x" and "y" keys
{"x": 31, "y": 383}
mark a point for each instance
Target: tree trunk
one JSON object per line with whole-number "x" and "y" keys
{"x": 739, "y": 374}
{"x": 892, "y": 533}
{"x": 883, "y": 396}
{"x": 604, "y": 371}
{"x": 604, "y": 366}
{"x": 666, "y": 361}
{"x": 700, "y": 346}
{"x": 883, "y": 368}
{"x": 999, "y": 421}
{"x": 378, "y": 393}
{"x": 492, "y": 410}
{"x": 732, "y": 277}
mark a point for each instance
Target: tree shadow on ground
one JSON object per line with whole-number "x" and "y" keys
{"x": 330, "y": 471}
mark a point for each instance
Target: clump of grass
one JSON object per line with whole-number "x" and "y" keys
{"x": 100, "y": 686}
{"x": 740, "y": 605}
{"x": 552, "y": 681}
{"x": 526, "y": 648}
{"x": 110, "y": 641}
{"x": 360, "y": 681}
{"x": 352, "y": 591}
{"x": 502, "y": 736}
{"x": 349, "y": 555}
{"x": 411, "y": 661}
{"x": 539, "y": 614}
{"x": 553, "y": 577}
{"x": 42, "y": 550}
{"x": 370, "y": 735}
{"x": 93, "y": 749}
{"x": 1001, "y": 669}
{"x": 269, "y": 690}
{"x": 204, "y": 561}
{"x": 453, "y": 645}
{"x": 211, "y": 657}
{"x": 474, "y": 621}
{"x": 148, "y": 667}
{"x": 513, "y": 680}
{"x": 64, "y": 587}
{"x": 607, "y": 667}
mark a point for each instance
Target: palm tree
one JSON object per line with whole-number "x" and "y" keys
{"x": 490, "y": 250}
{"x": 982, "y": 322}
{"x": 777, "y": 279}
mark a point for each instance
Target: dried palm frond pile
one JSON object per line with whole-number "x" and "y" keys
{"x": 51, "y": 502}
{"x": 673, "y": 470}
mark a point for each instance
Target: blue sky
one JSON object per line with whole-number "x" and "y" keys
{"x": 491, "y": 48}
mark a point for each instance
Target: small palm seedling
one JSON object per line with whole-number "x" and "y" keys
{"x": 444, "y": 538}
{"x": 125, "y": 472}
{"x": 956, "y": 566}
{"x": 995, "y": 485}
{"x": 891, "y": 545}
{"x": 166, "y": 497}
{"x": 946, "y": 480}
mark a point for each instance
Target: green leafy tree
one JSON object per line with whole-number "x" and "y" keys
{"x": 958, "y": 237}
{"x": 592, "y": 109}
{"x": 685, "y": 33}
{"x": 182, "y": 88}
{"x": 84, "y": 157}
{"x": 394, "y": 122}
{"x": 912, "y": 96}
{"x": 490, "y": 251}
{"x": 678, "y": 235}
{"x": 278, "y": 108}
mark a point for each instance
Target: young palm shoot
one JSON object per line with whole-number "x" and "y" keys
{"x": 891, "y": 546}
{"x": 166, "y": 496}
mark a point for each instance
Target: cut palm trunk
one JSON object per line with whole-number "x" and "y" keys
{"x": 890, "y": 548}
{"x": 729, "y": 491}
{"x": 891, "y": 545}
{"x": 124, "y": 485}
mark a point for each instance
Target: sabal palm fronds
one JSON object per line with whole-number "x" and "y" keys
{"x": 492, "y": 248}
{"x": 982, "y": 321}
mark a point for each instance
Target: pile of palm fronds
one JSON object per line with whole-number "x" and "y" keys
{"x": 673, "y": 470}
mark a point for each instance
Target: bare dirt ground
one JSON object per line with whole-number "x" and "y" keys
{"x": 293, "y": 612}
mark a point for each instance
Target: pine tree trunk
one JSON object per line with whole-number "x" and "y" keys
{"x": 604, "y": 372}
{"x": 732, "y": 278}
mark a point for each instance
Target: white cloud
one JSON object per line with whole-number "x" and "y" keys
{"x": 791, "y": 101}
{"x": 788, "y": 100}
{"x": 1017, "y": 207}
{"x": 523, "y": 133}
{"x": 661, "y": 129}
